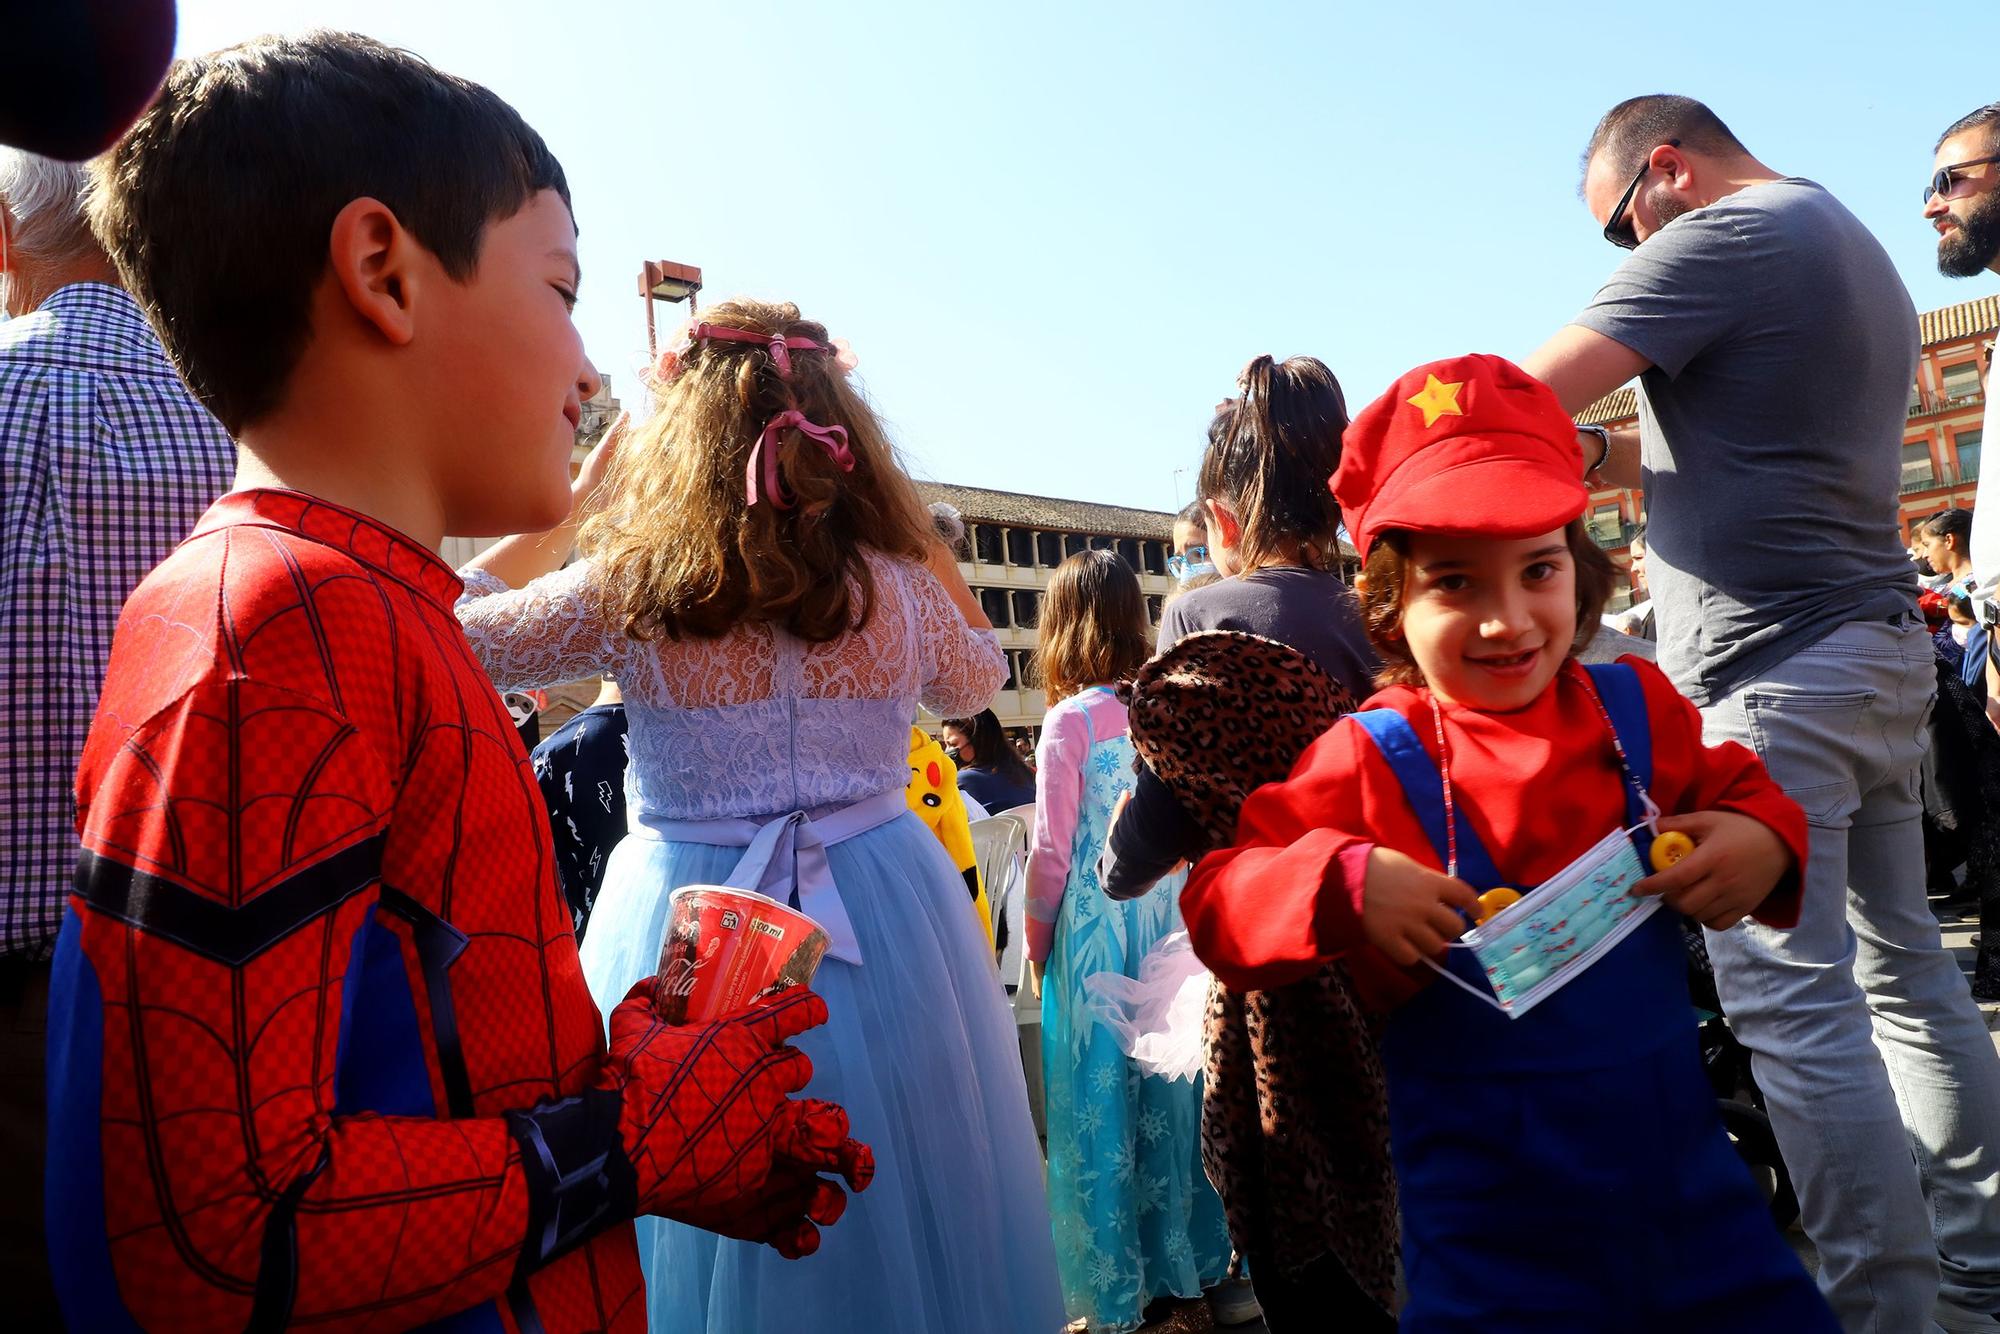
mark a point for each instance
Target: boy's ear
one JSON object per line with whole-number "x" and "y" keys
{"x": 1360, "y": 585}
{"x": 372, "y": 256}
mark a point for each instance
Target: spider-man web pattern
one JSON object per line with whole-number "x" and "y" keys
{"x": 315, "y": 951}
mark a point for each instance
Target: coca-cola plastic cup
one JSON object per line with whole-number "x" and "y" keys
{"x": 726, "y": 947}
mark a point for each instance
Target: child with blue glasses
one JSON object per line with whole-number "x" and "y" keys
{"x": 1561, "y": 1162}
{"x": 1190, "y": 565}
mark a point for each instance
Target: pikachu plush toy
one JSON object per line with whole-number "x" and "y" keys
{"x": 933, "y": 795}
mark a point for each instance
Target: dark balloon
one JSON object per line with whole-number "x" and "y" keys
{"x": 76, "y": 73}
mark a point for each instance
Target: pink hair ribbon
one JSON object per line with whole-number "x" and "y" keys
{"x": 832, "y": 439}
{"x": 782, "y": 345}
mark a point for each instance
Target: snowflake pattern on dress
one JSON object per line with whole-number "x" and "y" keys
{"x": 1133, "y": 1214}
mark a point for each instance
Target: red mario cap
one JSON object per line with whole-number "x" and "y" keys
{"x": 1473, "y": 446}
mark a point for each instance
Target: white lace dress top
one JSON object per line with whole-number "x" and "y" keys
{"x": 756, "y": 723}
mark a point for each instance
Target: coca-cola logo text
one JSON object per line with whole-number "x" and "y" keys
{"x": 677, "y": 978}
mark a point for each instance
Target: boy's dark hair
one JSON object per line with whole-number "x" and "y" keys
{"x": 1986, "y": 118}
{"x": 216, "y": 206}
{"x": 1194, "y": 515}
{"x": 1270, "y": 454}
{"x": 1382, "y": 598}
{"x": 1638, "y": 125}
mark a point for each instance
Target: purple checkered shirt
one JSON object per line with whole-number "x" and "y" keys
{"x": 109, "y": 460}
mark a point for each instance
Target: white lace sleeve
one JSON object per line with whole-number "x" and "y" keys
{"x": 542, "y": 635}
{"x": 961, "y": 667}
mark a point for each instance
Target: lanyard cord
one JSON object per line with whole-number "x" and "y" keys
{"x": 1444, "y": 772}
{"x": 1625, "y": 765}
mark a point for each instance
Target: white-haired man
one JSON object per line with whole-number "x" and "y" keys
{"x": 108, "y": 461}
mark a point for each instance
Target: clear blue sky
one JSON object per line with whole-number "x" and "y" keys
{"x": 1054, "y": 232}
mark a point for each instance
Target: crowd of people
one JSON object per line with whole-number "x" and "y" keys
{"x": 1358, "y": 918}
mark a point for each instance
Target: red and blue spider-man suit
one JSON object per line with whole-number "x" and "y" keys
{"x": 320, "y": 1049}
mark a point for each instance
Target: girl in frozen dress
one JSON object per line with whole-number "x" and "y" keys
{"x": 1133, "y": 1214}
{"x": 763, "y": 583}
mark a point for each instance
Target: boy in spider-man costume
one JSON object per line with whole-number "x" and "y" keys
{"x": 320, "y": 1049}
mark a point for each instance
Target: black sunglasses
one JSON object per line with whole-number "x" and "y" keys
{"x": 1942, "y": 182}
{"x": 1627, "y": 238}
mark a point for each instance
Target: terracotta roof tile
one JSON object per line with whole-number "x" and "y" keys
{"x": 1981, "y": 315}
{"x": 1614, "y": 406}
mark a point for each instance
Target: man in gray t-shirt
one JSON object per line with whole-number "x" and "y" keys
{"x": 1775, "y": 349}
{"x": 1781, "y": 348}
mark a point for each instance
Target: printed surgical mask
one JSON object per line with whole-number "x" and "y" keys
{"x": 1535, "y": 947}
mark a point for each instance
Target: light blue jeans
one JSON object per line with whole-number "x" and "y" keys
{"x": 1881, "y": 1078}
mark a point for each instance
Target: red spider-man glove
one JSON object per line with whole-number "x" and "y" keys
{"x": 694, "y": 1122}
{"x": 796, "y": 1197}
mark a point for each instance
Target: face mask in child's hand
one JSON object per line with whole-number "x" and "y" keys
{"x": 1571, "y": 920}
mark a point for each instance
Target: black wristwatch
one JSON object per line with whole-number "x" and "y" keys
{"x": 1603, "y": 435}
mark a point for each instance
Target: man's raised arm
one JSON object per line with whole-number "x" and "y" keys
{"x": 1582, "y": 366}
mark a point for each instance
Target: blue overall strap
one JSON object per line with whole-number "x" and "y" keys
{"x": 1423, "y": 788}
{"x": 1625, "y": 701}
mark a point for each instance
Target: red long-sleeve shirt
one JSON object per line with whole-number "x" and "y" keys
{"x": 1539, "y": 786}
{"x": 316, "y": 951}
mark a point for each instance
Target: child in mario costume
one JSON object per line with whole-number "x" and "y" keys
{"x": 1561, "y": 1163}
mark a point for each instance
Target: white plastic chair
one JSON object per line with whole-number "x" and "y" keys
{"x": 1000, "y": 845}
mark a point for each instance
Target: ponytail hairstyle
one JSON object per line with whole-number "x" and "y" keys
{"x": 1271, "y": 454}
{"x": 1954, "y": 523}
{"x": 1093, "y": 625}
{"x": 755, "y": 490}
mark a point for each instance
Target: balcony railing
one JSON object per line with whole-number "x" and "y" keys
{"x": 1611, "y": 535}
{"x": 1933, "y": 480}
{"x": 1927, "y": 403}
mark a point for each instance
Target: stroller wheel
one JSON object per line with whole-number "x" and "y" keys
{"x": 1750, "y": 1131}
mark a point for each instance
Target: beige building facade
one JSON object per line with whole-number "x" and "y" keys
{"x": 1014, "y": 543}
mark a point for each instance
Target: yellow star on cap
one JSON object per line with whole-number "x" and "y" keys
{"x": 1438, "y": 400}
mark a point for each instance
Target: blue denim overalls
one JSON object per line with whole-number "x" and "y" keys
{"x": 1566, "y": 1171}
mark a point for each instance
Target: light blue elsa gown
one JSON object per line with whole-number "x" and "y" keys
{"x": 921, "y": 1047}
{"x": 1134, "y": 1216}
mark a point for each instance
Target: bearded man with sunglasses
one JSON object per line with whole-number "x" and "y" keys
{"x": 1962, "y": 202}
{"x": 1775, "y": 348}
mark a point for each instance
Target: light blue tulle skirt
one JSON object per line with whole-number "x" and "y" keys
{"x": 921, "y": 1050}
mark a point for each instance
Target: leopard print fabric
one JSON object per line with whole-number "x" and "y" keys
{"x": 1295, "y": 1126}
{"x": 1295, "y": 1122}
{"x": 1221, "y": 713}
